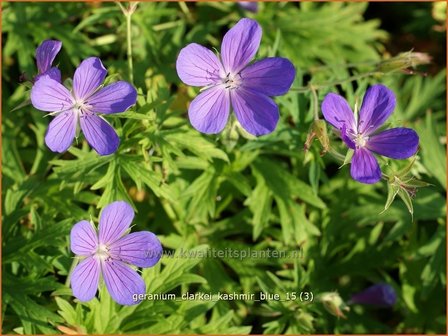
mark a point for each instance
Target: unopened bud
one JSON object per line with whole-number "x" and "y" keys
{"x": 318, "y": 129}
{"x": 404, "y": 61}
{"x": 306, "y": 320}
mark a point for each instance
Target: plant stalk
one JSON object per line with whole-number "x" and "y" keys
{"x": 129, "y": 40}
{"x": 128, "y": 15}
{"x": 315, "y": 87}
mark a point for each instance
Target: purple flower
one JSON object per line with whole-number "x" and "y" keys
{"x": 82, "y": 105}
{"x": 250, "y": 6}
{"x": 359, "y": 134}
{"x": 379, "y": 295}
{"x": 111, "y": 253}
{"x": 45, "y": 54}
{"x": 231, "y": 81}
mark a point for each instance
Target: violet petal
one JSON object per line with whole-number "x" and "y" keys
{"x": 271, "y": 76}
{"x": 337, "y": 112}
{"x": 85, "y": 278}
{"x": 89, "y": 75}
{"x": 114, "y": 98}
{"x": 240, "y": 44}
{"x": 122, "y": 282}
{"x": 257, "y": 113}
{"x": 142, "y": 249}
{"x": 99, "y": 134}
{"x": 378, "y": 295}
{"x": 115, "y": 220}
{"x": 61, "y": 131}
{"x": 364, "y": 167}
{"x": 50, "y": 96}
{"x": 396, "y": 143}
{"x": 209, "y": 111}
{"x": 346, "y": 137}
{"x": 198, "y": 66}
{"x": 54, "y": 73}
{"x": 46, "y": 53}
{"x": 83, "y": 239}
{"x": 377, "y": 105}
{"x": 250, "y": 6}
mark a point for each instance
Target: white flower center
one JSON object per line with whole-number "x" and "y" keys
{"x": 360, "y": 140}
{"x": 232, "y": 81}
{"x": 81, "y": 107}
{"x": 102, "y": 252}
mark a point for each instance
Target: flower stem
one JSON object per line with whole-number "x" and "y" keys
{"x": 315, "y": 102}
{"x": 335, "y": 154}
{"x": 314, "y": 87}
{"x": 129, "y": 38}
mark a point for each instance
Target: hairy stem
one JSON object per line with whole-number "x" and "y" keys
{"x": 129, "y": 40}
{"x": 315, "y": 102}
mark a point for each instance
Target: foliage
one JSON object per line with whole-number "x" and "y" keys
{"x": 229, "y": 191}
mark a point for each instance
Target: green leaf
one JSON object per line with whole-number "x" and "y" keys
{"x": 433, "y": 152}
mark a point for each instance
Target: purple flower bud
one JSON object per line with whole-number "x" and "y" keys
{"x": 379, "y": 295}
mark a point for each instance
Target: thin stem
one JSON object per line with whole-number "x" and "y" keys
{"x": 121, "y": 7}
{"x": 338, "y": 156}
{"x": 129, "y": 40}
{"x": 183, "y": 6}
{"x": 128, "y": 15}
{"x": 315, "y": 102}
{"x": 312, "y": 87}
{"x": 345, "y": 65}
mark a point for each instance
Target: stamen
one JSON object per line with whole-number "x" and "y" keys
{"x": 232, "y": 81}
{"x": 102, "y": 252}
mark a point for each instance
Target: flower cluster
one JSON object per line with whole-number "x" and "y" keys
{"x": 230, "y": 80}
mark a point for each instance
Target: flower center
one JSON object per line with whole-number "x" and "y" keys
{"x": 232, "y": 81}
{"x": 102, "y": 252}
{"x": 360, "y": 140}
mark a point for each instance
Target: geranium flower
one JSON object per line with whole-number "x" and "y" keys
{"x": 230, "y": 80}
{"x": 110, "y": 254}
{"x": 82, "y": 105}
{"x": 359, "y": 133}
{"x": 379, "y": 295}
{"x": 45, "y": 54}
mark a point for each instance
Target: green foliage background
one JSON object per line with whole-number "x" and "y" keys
{"x": 226, "y": 191}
